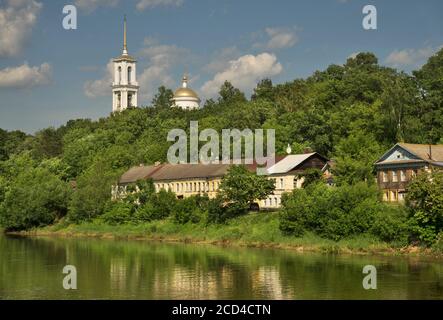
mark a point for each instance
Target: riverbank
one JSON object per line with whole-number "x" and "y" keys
{"x": 253, "y": 230}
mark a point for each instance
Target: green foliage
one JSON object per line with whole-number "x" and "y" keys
{"x": 241, "y": 187}
{"x": 35, "y": 198}
{"x": 163, "y": 97}
{"x": 355, "y": 158}
{"x": 311, "y": 176}
{"x": 93, "y": 192}
{"x": 218, "y": 211}
{"x": 229, "y": 94}
{"x": 425, "y": 203}
{"x": 161, "y": 206}
{"x": 191, "y": 210}
{"x": 341, "y": 212}
{"x": 350, "y": 113}
{"x": 118, "y": 213}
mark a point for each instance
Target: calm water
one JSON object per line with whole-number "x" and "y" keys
{"x": 32, "y": 269}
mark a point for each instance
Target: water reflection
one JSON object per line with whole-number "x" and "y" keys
{"x": 32, "y": 269}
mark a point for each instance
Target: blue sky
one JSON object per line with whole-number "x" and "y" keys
{"x": 49, "y": 75}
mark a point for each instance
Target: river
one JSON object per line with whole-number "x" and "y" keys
{"x": 31, "y": 268}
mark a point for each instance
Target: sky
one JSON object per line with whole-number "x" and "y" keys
{"x": 49, "y": 75}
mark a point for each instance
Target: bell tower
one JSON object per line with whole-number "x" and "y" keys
{"x": 125, "y": 86}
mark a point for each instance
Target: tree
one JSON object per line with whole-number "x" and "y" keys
{"x": 264, "y": 90}
{"x": 242, "y": 187}
{"x": 35, "y": 198}
{"x": 355, "y": 157}
{"x": 229, "y": 94}
{"x": 163, "y": 97}
{"x": 425, "y": 203}
{"x": 93, "y": 192}
{"x": 430, "y": 80}
{"x": 48, "y": 143}
{"x": 311, "y": 176}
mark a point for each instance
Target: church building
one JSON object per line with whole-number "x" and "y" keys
{"x": 125, "y": 86}
{"x": 185, "y": 97}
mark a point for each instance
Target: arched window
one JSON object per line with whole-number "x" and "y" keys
{"x": 129, "y": 100}
{"x": 119, "y": 100}
{"x": 119, "y": 80}
{"x": 129, "y": 75}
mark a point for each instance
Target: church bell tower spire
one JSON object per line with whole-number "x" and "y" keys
{"x": 125, "y": 86}
{"x": 125, "y": 43}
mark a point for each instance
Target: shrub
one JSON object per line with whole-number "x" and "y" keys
{"x": 35, "y": 198}
{"x": 191, "y": 209}
{"x": 118, "y": 213}
{"x": 340, "y": 212}
{"x": 425, "y": 204}
{"x": 217, "y": 211}
{"x": 158, "y": 206}
{"x": 391, "y": 225}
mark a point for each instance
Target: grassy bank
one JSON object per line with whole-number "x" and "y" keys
{"x": 252, "y": 230}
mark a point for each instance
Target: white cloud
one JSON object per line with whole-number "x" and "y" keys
{"x": 148, "y": 4}
{"x": 221, "y": 59}
{"x": 161, "y": 59}
{"x": 410, "y": 57}
{"x": 100, "y": 87}
{"x": 17, "y": 19}
{"x": 91, "y": 5}
{"x": 278, "y": 38}
{"x": 244, "y": 73}
{"x": 24, "y": 76}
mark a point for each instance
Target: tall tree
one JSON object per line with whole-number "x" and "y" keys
{"x": 163, "y": 97}
{"x": 229, "y": 94}
{"x": 242, "y": 187}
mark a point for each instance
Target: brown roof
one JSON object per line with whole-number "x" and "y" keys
{"x": 165, "y": 172}
{"x": 138, "y": 173}
{"x": 425, "y": 151}
{"x": 190, "y": 171}
{"x": 174, "y": 172}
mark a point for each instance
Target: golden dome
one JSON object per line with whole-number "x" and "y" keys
{"x": 185, "y": 93}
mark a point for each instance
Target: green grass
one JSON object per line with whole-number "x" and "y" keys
{"x": 254, "y": 230}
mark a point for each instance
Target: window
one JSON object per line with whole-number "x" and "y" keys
{"x": 403, "y": 175}
{"x": 119, "y": 100}
{"x": 119, "y": 75}
{"x": 129, "y": 99}
{"x": 282, "y": 183}
{"x": 385, "y": 176}
{"x": 129, "y": 75}
{"x": 394, "y": 176}
{"x": 401, "y": 196}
